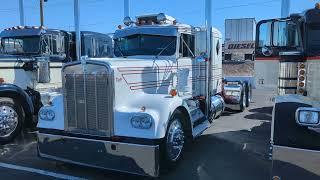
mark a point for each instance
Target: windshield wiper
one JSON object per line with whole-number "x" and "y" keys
{"x": 157, "y": 56}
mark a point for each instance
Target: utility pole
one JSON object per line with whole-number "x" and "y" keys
{"x": 208, "y": 24}
{"x": 285, "y": 8}
{"x": 41, "y": 13}
{"x": 77, "y": 27}
{"x": 126, "y": 8}
{"x": 21, "y": 11}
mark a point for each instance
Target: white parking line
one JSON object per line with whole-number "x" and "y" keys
{"x": 39, "y": 171}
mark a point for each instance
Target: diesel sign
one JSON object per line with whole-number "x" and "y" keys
{"x": 241, "y": 46}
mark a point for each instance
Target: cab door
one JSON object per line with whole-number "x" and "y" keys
{"x": 185, "y": 70}
{"x": 277, "y": 51}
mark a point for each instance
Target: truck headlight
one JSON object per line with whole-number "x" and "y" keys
{"x": 46, "y": 114}
{"x": 141, "y": 121}
{"x": 307, "y": 116}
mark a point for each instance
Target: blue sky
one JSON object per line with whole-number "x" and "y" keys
{"x": 105, "y": 15}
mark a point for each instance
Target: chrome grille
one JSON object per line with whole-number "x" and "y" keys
{"x": 88, "y": 98}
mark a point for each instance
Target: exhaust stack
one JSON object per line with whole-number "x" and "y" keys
{"x": 208, "y": 24}
{"x": 77, "y": 27}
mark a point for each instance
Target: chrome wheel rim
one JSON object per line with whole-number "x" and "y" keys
{"x": 175, "y": 140}
{"x": 8, "y": 121}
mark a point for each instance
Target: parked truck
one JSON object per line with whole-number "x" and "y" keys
{"x": 27, "y": 53}
{"x": 288, "y": 51}
{"x": 135, "y": 112}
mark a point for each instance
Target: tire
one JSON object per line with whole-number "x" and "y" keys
{"x": 175, "y": 132}
{"x": 243, "y": 98}
{"x": 248, "y": 94}
{"x": 12, "y": 126}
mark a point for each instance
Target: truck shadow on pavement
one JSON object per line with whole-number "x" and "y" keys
{"x": 264, "y": 113}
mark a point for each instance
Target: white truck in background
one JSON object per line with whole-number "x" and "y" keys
{"x": 134, "y": 112}
{"x": 30, "y": 67}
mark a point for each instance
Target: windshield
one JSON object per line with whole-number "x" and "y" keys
{"x": 20, "y": 45}
{"x": 141, "y": 44}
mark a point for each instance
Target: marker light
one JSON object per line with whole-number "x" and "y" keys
{"x": 173, "y": 92}
{"x": 174, "y": 22}
{"x": 302, "y": 72}
{"x": 161, "y": 17}
{"x": 301, "y": 91}
{"x": 127, "y": 21}
{"x": 302, "y": 66}
{"x": 301, "y": 84}
{"x": 301, "y": 78}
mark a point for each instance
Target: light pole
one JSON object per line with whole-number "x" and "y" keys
{"x": 126, "y": 8}
{"x": 77, "y": 27}
{"x": 208, "y": 24}
{"x": 21, "y": 12}
{"x": 285, "y": 8}
{"x": 41, "y": 12}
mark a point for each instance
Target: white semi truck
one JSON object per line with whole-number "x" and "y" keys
{"x": 288, "y": 54}
{"x": 133, "y": 111}
{"x": 30, "y": 67}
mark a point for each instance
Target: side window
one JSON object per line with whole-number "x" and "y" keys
{"x": 46, "y": 44}
{"x": 285, "y": 34}
{"x": 61, "y": 42}
{"x": 55, "y": 44}
{"x": 187, "y": 46}
{"x": 265, "y": 34}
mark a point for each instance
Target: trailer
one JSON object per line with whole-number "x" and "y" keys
{"x": 288, "y": 56}
{"x": 135, "y": 112}
{"x": 30, "y": 62}
{"x": 239, "y": 39}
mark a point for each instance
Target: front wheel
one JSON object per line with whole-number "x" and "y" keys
{"x": 174, "y": 143}
{"x": 11, "y": 119}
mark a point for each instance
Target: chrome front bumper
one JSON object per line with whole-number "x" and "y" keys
{"x": 124, "y": 157}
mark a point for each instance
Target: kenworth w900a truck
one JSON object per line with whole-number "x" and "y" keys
{"x": 30, "y": 67}
{"x": 288, "y": 54}
{"x": 128, "y": 113}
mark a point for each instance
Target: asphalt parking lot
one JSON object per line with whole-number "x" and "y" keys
{"x": 236, "y": 147}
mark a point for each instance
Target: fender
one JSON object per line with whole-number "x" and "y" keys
{"x": 160, "y": 107}
{"x": 15, "y": 92}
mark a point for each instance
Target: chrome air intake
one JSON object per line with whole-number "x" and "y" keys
{"x": 88, "y": 98}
